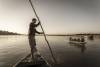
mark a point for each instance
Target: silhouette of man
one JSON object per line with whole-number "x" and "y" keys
{"x": 32, "y": 32}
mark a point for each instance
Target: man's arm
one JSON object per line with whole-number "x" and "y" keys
{"x": 38, "y": 32}
{"x": 37, "y": 24}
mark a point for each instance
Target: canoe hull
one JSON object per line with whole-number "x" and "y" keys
{"x": 27, "y": 62}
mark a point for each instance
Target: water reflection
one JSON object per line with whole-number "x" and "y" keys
{"x": 78, "y": 45}
{"x": 12, "y": 48}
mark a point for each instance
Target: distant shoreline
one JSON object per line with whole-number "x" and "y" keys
{"x": 65, "y": 35}
{"x": 8, "y": 33}
{"x": 2, "y": 33}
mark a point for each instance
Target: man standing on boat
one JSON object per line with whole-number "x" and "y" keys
{"x": 32, "y": 32}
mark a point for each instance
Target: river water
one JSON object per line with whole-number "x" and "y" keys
{"x": 13, "y": 48}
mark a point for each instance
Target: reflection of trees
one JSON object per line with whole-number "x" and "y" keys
{"x": 8, "y": 33}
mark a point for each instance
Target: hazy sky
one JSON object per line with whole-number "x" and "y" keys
{"x": 57, "y": 16}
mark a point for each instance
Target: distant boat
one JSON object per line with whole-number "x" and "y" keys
{"x": 74, "y": 42}
{"x": 27, "y": 62}
{"x": 77, "y": 40}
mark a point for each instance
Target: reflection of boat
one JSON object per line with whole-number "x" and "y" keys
{"x": 79, "y": 45}
{"x": 27, "y": 62}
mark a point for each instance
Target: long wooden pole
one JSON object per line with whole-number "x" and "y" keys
{"x": 43, "y": 31}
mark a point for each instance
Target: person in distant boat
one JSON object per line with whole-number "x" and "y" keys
{"x": 31, "y": 36}
{"x": 82, "y": 39}
{"x": 70, "y": 38}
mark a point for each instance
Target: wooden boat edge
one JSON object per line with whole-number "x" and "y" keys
{"x": 21, "y": 60}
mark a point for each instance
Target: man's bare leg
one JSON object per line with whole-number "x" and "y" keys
{"x": 33, "y": 51}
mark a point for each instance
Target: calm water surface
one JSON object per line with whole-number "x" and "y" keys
{"x": 13, "y": 48}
